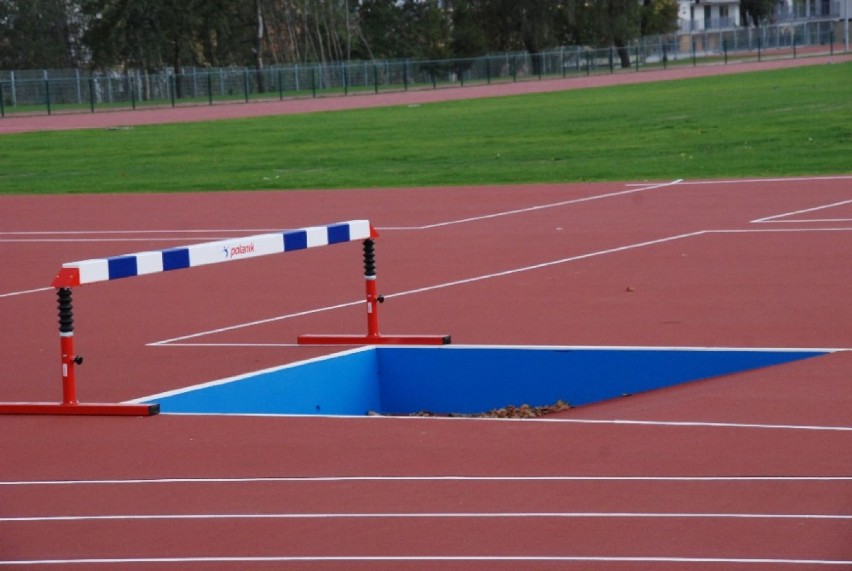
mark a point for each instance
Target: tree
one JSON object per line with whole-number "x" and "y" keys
{"x": 40, "y": 34}
{"x": 611, "y": 23}
{"x": 758, "y": 11}
{"x": 468, "y": 36}
{"x": 658, "y": 17}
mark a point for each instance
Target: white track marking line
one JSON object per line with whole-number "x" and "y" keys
{"x": 423, "y": 515}
{"x": 431, "y": 288}
{"x": 381, "y": 418}
{"x": 534, "y": 208}
{"x": 134, "y": 232}
{"x": 777, "y": 230}
{"x": 24, "y": 292}
{"x": 427, "y": 479}
{"x": 165, "y": 342}
{"x": 695, "y": 424}
{"x": 796, "y": 212}
{"x": 809, "y": 220}
{"x": 485, "y": 277}
{"x": 430, "y": 559}
{"x": 759, "y": 180}
{"x": 99, "y": 240}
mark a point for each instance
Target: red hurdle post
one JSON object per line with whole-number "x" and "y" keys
{"x": 373, "y": 337}
{"x": 66, "y": 344}
{"x": 69, "y": 360}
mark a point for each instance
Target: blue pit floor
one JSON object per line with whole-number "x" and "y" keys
{"x": 462, "y": 379}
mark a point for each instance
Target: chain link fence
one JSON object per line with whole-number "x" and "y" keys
{"x": 58, "y": 91}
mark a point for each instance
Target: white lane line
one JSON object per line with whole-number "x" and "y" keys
{"x": 24, "y": 292}
{"x": 135, "y": 232}
{"x": 533, "y": 208}
{"x": 103, "y": 240}
{"x": 422, "y": 515}
{"x": 431, "y": 559}
{"x": 432, "y": 287}
{"x": 484, "y": 277}
{"x": 430, "y": 479}
{"x": 687, "y": 424}
{"x": 759, "y": 180}
{"x": 797, "y": 212}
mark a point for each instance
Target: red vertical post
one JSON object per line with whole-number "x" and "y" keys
{"x": 372, "y": 307}
{"x": 373, "y": 337}
{"x": 373, "y": 298}
{"x": 69, "y": 382}
{"x": 66, "y": 345}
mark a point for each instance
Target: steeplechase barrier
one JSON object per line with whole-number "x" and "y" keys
{"x": 143, "y": 263}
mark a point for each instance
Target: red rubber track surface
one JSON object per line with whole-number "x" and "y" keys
{"x": 749, "y": 471}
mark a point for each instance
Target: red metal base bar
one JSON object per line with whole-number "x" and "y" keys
{"x": 80, "y": 409}
{"x": 374, "y": 339}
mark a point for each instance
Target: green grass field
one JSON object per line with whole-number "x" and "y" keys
{"x": 772, "y": 123}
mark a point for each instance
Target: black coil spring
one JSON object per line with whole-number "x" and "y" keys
{"x": 369, "y": 257}
{"x": 66, "y": 312}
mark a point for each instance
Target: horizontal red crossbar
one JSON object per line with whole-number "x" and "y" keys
{"x": 79, "y": 409}
{"x": 374, "y": 339}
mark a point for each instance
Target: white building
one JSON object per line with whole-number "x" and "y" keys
{"x": 701, "y": 15}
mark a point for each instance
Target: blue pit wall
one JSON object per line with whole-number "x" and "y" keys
{"x": 462, "y": 379}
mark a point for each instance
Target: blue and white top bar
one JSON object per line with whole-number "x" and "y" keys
{"x": 116, "y": 267}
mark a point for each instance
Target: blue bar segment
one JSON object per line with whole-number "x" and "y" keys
{"x": 296, "y": 240}
{"x": 338, "y": 233}
{"x": 176, "y": 259}
{"x": 122, "y": 267}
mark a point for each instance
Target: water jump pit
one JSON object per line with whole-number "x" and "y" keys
{"x": 463, "y": 380}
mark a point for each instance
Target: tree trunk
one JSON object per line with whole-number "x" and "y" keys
{"x": 258, "y": 46}
{"x": 623, "y": 53}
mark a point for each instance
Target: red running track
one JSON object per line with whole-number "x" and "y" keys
{"x": 750, "y": 471}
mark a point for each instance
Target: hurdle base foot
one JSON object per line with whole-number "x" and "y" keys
{"x": 79, "y": 409}
{"x": 374, "y": 340}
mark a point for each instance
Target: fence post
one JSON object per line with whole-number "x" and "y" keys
{"x": 665, "y": 56}
{"x": 2, "y": 104}
{"x": 246, "y": 84}
{"x": 405, "y": 75}
{"x": 280, "y": 84}
{"x": 79, "y": 88}
{"x": 92, "y": 93}
{"x": 759, "y": 46}
{"x": 725, "y": 50}
{"x": 47, "y": 92}
{"x": 694, "y": 61}
{"x": 314, "y": 81}
{"x": 172, "y": 83}
{"x": 131, "y": 81}
{"x": 637, "y": 57}
{"x": 344, "y": 78}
